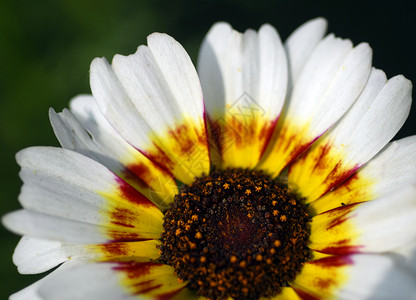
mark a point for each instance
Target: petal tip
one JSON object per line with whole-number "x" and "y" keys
{"x": 320, "y": 22}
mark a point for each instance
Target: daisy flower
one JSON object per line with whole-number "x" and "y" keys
{"x": 266, "y": 175}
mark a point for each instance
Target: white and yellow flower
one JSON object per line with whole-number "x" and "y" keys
{"x": 312, "y": 111}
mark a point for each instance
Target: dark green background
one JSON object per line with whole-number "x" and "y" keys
{"x": 46, "y": 48}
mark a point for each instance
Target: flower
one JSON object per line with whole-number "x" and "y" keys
{"x": 269, "y": 175}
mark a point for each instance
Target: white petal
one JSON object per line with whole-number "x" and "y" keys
{"x": 380, "y": 278}
{"x": 391, "y": 169}
{"x": 88, "y": 114}
{"x": 407, "y": 256}
{"x": 122, "y": 113}
{"x": 380, "y": 225}
{"x": 231, "y": 64}
{"x": 110, "y": 281}
{"x": 179, "y": 73}
{"x": 31, "y": 291}
{"x": 272, "y": 71}
{"x": 63, "y": 183}
{"x": 33, "y": 255}
{"x": 91, "y": 135}
{"x": 388, "y": 222}
{"x": 209, "y": 69}
{"x": 99, "y": 283}
{"x": 360, "y": 276}
{"x": 49, "y": 227}
{"x": 144, "y": 83}
{"x": 28, "y": 293}
{"x": 151, "y": 85}
{"x": 81, "y": 171}
{"x": 375, "y": 118}
{"x": 149, "y": 98}
{"x": 71, "y": 135}
{"x": 364, "y": 130}
{"x": 330, "y": 82}
{"x": 302, "y": 42}
{"x": 66, "y": 184}
{"x": 244, "y": 79}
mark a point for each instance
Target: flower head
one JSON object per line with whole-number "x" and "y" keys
{"x": 266, "y": 175}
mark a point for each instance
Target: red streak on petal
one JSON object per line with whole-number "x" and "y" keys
{"x": 293, "y": 139}
{"x": 138, "y": 173}
{"x": 134, "y": 270}
{"x": 159, "y": 157}
{"x": 266, "y": 133}
{"x": 298, "y": 150}
{"x": 144, "y": 282}
{"x": 337, "y": 221}
{"x": 214, "y": 135}
{"x": 187, "y": 142}
{"x": 181, "y": 135}
{"x": 184, "y": 139}
{"x": 239, "y": 132}
{"x": 122, "y": 224}
{"x": 340, "y": 210}
{"x": 116, "y": 249}
{"x": 339, "y": 215}
{"x": 126, "y": 217}
{"x": 333, "y": 261}
{"x": 146, "y": 289}
{"x": 122, "y": 217}
{"x": 118, "y": 236}
{"x": 339, "y": 250}
{"x": 322, "y": 164}
{"x": 324, "y": 283}
{"x": 341, "y": 247}
{"x": 130, "y": 193}
{"x": 338, "y": 176}
{"x": 350, "y": 181}
{"x": 321, "y": 158}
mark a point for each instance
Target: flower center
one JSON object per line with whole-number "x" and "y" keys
{"x": 236, "y": 233}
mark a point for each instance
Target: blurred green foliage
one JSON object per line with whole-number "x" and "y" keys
{"x": 46, "y": 47}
